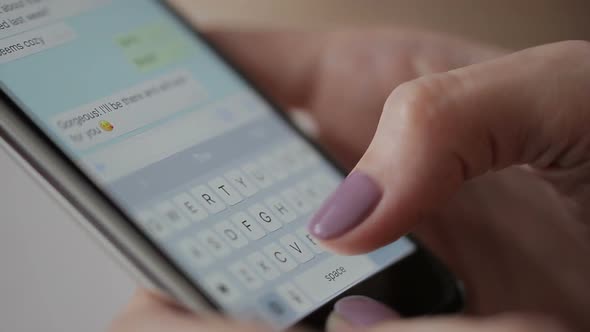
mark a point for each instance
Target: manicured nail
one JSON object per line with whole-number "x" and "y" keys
{"x": 362, "y": 311}
{"x": 348, "y": 206}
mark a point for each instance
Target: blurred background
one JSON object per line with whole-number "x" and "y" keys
{"x": 54, "y": 278}
{"x": 509, "y": 23}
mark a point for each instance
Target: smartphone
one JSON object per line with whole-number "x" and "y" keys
{"x": 132, "y": 120}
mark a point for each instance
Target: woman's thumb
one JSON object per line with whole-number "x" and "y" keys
{"x": 355, "y": 313}
{"x": 439, "y": 131}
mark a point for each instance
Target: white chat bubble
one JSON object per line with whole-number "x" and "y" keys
{"x": 17, "y": 16}
{"x": 128, "y": 110}
{"x": 33, "y": 42}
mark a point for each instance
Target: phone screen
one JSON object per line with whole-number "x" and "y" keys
{"x": 185, "y": 147}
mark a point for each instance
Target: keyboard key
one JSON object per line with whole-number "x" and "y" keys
{"x": 208, "y": 199}
{"x": 304, "y": 235}
{"x": 172, "y": 215}
{"x": 297, "y": 200}
{"x": 221, "y": 288}
{"x": 273, "y": 167}
{"x": 258, "y": 174}
{"x": 191, "y": 208}
{"x": 263, "y": 266}
{"x": 327, "y": 181}
{"x": 214, "y": 243}
{"x": 281, "y": 209}
{"x": 240, "y": 181}
{"x": 280, "y": 256}
{"x": 274, "y": 308}
{"x": 333, "y": 275}
{"x": 224, "y": 190}
{"x": 198, "y": 254}
{"x": 231, "y": 234}
{"x": 310, "y": 191}
{"x": 265, "y": 217}
{"x": 308, "y": 154}
{"x": 322, "y": 185}
{"x": 294, "y": 297}
{"x": 248, "y": 225}
{"x": 288, "y": 158}
{"x": 246, "y": 275}
{"x": 296, "y": 248}
{"x": 154, "y": 225}
{"x": 303, "y": 153}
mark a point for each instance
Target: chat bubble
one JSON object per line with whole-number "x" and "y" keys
{"x": 17, "y": 16}
{"x": 154, "y": 46}
{"x": 128, "y": 110}
{"x": 33, "y": 42}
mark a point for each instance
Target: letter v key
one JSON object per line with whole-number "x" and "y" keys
{"x": 296, "y": 248}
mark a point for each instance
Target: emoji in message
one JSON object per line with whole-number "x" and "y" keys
{"x": 106, "y": 126}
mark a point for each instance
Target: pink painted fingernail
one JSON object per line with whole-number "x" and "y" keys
{"x": 348, "y": 206}
{"x": 362, "y": 311}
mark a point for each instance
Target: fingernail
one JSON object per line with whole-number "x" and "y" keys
{"x": 348, "y": 206}
{"x": 362, "y": 311}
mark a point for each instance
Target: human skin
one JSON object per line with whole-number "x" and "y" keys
{"x": 484, "y": 157}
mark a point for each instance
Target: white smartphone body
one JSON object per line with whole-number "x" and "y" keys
{"x": 145, "y": 132}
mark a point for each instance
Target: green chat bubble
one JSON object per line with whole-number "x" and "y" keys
{"x": 154, "y": 46}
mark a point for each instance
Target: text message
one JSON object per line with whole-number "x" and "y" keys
{"x": 154, "y": 46}
{"x": 21, "y": 12}
{"x": 128, "y": 110}
{"x": 33, "y": 42}
{"x": 20, "y": 15}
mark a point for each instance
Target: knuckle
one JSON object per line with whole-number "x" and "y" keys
{"x": 565, "y": 53}
{"x": 577, "y": 48}
{"x": 413, "y": 103}
{"x": 421, "y": 105}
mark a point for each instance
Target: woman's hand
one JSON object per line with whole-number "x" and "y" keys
{"x": 342, "y": 79}
{"x": 518, "y": 243}
{"x": 149, "y": 312}
{"x": 492, "y": 163}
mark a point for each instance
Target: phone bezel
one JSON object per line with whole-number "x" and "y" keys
{"x": 35, "y": 148}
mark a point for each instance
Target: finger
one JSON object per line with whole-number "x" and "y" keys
{"x": 145, "y": 299}
{"x": 149, "y": 312}
{"x": 504, "y": 323}
{"x": 354, "y": 312}
{"x": 342, "y": 78}
{"x": 281, "y": 62}
{"x": 290, "y": 64}
{"x": 442, "y": 130}
{"x": 290, "y": 61}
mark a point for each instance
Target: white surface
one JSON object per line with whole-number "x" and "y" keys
{"x": 53, "y": 276}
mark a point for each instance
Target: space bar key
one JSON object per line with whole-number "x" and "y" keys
{"x": 334, "y": 274}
